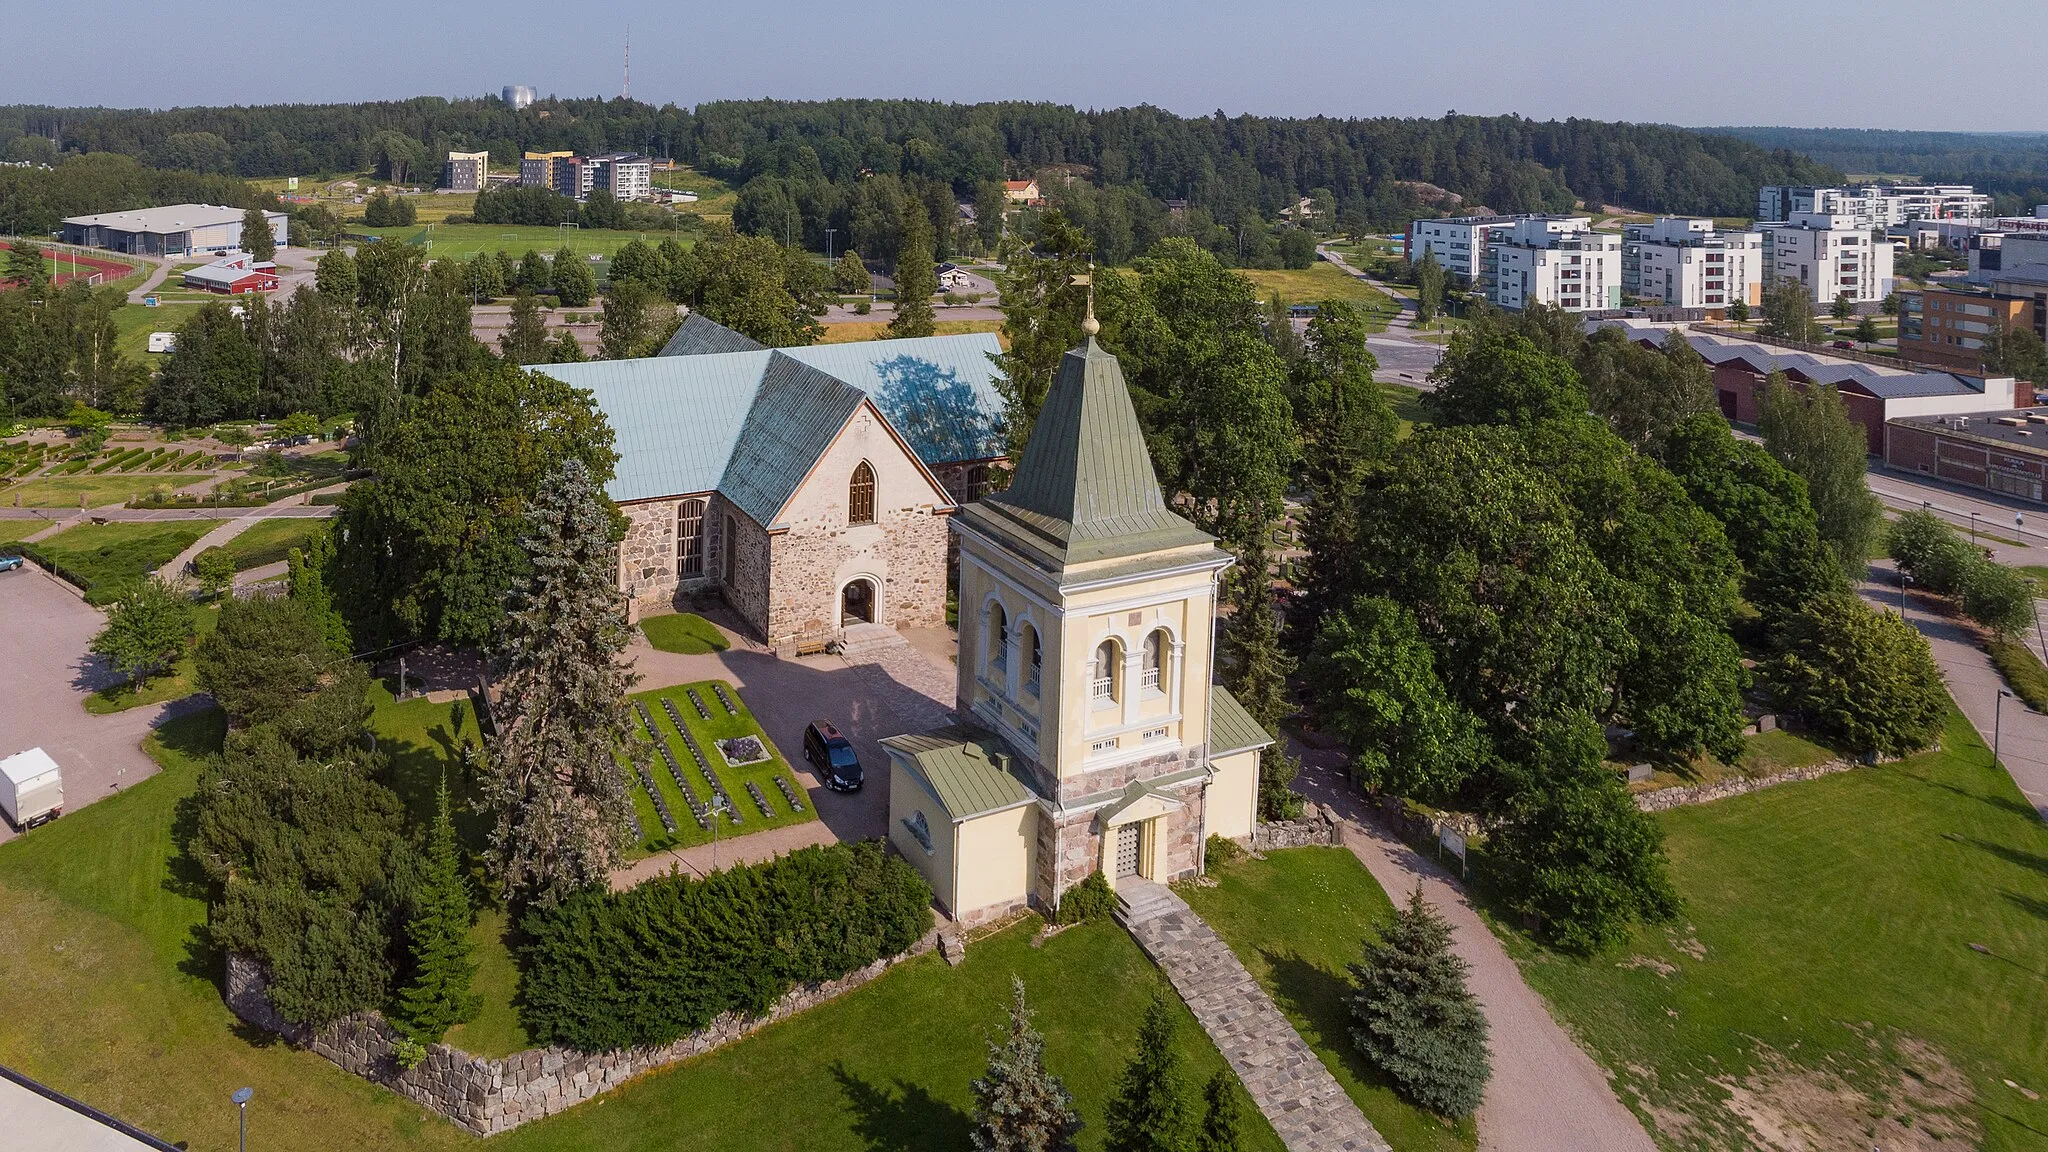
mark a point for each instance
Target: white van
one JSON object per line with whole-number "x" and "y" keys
{"x": 31, "y": 788}
{"x": 163, "y": 341}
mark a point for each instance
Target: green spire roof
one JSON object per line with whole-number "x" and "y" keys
{"x": 1086, "y": 490}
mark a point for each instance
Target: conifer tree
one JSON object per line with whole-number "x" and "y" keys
{"x": 1149, "y": 1112}
{"x": 525, "y": 338}
{"x": 915, "y": 278}
{"x": 307, "y": 584}
{"x": 440, "y": 993}
{"x": 1415, "y": 1019}
{"x": 1222, "y": 1115}
{"x": 552, "y": 783}
{"x": 1018, "y": 1105}
{"x": 564, "y": 349}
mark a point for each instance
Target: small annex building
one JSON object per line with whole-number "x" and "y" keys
{"x": 1089, "y": 735}
{"x": 802, "y": 486}
{"x": 233, "y": 275}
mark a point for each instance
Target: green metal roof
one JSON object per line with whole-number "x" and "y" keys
{"x": 1086, "y": 490}
{"x": 797, "y": 412}
{"x": 1231, "y": 728}
{"x": 700, "y": 336}
{"x": 971, "y": 771}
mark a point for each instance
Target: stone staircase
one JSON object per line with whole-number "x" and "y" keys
{"x": 862, "y": 640}
{"x": 1284, "y": 1077}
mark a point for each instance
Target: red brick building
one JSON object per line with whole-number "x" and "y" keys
{"x": 2006, "y": 454}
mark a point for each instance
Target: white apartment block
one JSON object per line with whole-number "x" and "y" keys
{"x": 1459, "y": 243}
{"x": 1873, "y": 205}
{"x": 1684, "y": 263}
{"x": 627, "y": 176}
{"x": 1831, "y": 255}
{"x": 1556, "y": 260}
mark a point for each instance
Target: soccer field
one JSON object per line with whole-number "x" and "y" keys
{"x": 462, "y": 241}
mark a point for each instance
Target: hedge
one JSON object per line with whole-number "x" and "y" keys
{"x": 649, "y": 965}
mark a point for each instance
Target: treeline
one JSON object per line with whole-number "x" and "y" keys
{"x": 35, "y": 198}
{"x": 2010, "y": 166}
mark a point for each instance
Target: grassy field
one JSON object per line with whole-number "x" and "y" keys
{"x": 267, "y": 541}
{"x": 856, "y": 331}
{"x": 1320, "y": 281}
{"x": 108, "y": 555}
{"x": 1407, "y": 405}
{"x": 175, "y": 684}
{"x": 684, "y": 632}
{"x": 1861, "y": 962}
{"x": 133, "y": 323}
{"x": 735, "y": 779}
{"x": 888, "y": 1067}
{"x": 1297, "y": 919}
{"x": 98, "y": 491}
{"x": 462, "y": 241}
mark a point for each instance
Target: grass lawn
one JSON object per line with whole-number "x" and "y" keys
{"x": 108, "y": 555}
{"x": 462, "y": 241}
{"x": 267, "y": 541}
{"x": 856, "y": 331}
{"x": 99, "y": 491}
{"x": 1297, "y": 919}
{"x": 496, "y": 1031}
{"x": 888, "y": 1066}
{"x": 684, "y": 632}
{"x": 1764, "y": 754}
{"x": 175, "y": 684}
{"x": 1407, "y": 405}
{"x": 133, "y": 323}
{"x": 13, "y": 531}
{"x": 720, "y": 726}
{"x": 1318, "y": 282}
{"x": 1823, "y": 977}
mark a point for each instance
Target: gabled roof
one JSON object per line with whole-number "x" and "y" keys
{"x": 1086, "y": 490}
{"x": 970, "y": 771}
{"x": 938, "y": 391}
{"x": 1231, "y": 728}
{"x": 795, "y": 416}
{"x": 700, "y": 335}
{"x": 1883, "y": 382}
{"x": 674, "y": 421}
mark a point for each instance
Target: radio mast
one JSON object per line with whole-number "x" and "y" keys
{"x": 626, "y": 80}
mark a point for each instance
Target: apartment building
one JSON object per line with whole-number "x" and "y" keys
{"x": 1554, "y": 260}
{"x": 537, "y": 169}
{"x": 1686, "y": 263}
{"x": 1831, "y": 255}
{"x": 1946, "y": 328}
{"x": 1873, "y": 205}
{"x": 1459, "y": 243}
{"x": 626, "y": 175}
{"x": 466, "y": 171}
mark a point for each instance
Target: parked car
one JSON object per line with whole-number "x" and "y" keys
{"x": 832, "y": 756}
{"x": 9, "y": 563}
{"x": 1845, "y": 345}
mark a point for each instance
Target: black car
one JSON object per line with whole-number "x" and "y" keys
{"x": 832, "y": 756}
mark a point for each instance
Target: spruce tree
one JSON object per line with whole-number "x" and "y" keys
{"x": 1018, "y": 1105}
{"x": 443, "y": 968}
{"x": 1222, "y": 1115}
{"x": 553, "y": 784}
{"x": 916, "y": 280}
{"x": 307, "y": 584}
{"x": 525, "y": 338}
{"x": 1149, "y": 1112}
{"x": 1414, "y": 1017}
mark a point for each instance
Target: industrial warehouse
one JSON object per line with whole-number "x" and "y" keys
{"x": 175, "y": 230}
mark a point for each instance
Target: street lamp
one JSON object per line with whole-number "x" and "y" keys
{"x": 1905, "y": 581}
{"x": 1973, "y": 525}
{"x": 1997, "y": 718}
{"x": 241, "y": 1098}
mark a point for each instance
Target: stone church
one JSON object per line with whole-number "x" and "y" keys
{"x": 808, "y": 488}
{"x": 1091, "y": 736}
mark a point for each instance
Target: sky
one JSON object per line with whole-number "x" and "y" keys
{"x": 1734, "y": 62}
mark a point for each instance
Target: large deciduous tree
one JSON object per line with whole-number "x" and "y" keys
{"x": 147, "y": 630}
{"x": 1811, "y": 434}
{"x": 554, "y": 786}
{"x": 1863, "y": 677}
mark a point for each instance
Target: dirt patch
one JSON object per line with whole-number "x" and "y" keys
{"x": 1907, "y": 1097}
{"x": 1688, "y": 944}
{"x": 1660, "y": 967}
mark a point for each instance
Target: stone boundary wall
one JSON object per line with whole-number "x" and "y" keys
{"x": 488, "y": 1096}
{"x": 1317, "y": 825}
{"x": 1664, "y": 799}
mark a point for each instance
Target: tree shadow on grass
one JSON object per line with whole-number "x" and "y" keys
{"x": 2039, "y": 908}
{"x": 902, "y": 1117}
{"x": 2025, "y": 859}
{"x": 2015, "y": 807}
{"x": 1320, "y": 1002}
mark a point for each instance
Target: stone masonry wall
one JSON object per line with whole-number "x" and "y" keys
{"x": 904, "y": 552}
{"x": 1317, "y": 825}
{"x": 1664, "y": 799}
{"x": 747, "y": 591}
{"x": 491, "y": 1096}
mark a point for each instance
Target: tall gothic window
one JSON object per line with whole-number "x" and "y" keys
{"x": 1032, "y": 670}
{"x": 860, "y": 495}
{"x": 690, "y": 538}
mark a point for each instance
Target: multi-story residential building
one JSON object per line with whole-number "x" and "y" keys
{"x": 1831, "y": 255}
{"x": 1946, "y": 328}
{"x": 1873, "y": 205}
{"x": 626, "y": 175}
{"x": 466, "y": 171}
{"x": 574, "y": 176}
{"x": 537, "y": 169}
{"x": 1459, "y": 243}
{"x": 1686, "y": 263}
{"x": 1554, "y": 260}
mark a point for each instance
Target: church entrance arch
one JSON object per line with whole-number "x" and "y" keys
{"x": 857, "y": 602}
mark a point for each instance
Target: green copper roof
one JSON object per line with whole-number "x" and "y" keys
{"x": 1231, "y": 728}
{"x": 971, "y": 771}
{"x": 700, "y": 336}
{"x": 1086, "y": 490}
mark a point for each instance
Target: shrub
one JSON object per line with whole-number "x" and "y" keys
{"x": 1999, "y": 598}
{"x": 1576, "y": 856}
{"x": 264, "y": 657}
{"x": 215, "y": 568}
{"x": 1864, "y": 678}
{"x": 1219, "y": 852}
{"x": 1091, "y": 899}
{"x": 606, "y": 970}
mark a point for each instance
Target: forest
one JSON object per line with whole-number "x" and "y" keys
{"x": 2011, "y": 166}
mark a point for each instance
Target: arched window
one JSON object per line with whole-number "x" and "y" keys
{"x": 1154, "y": 664}
{"x": 1109, "y": 663}
{"x": 690, "y": 538}
{"x": 731, "y": 547}
{"x": 977, "y": 482}
{"x": 860, "y": 495}
{"x": 998, "y": 638}
{"x": 1031, "y": 670}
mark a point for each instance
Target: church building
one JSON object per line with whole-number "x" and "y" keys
{"x": 1090, "y": 734}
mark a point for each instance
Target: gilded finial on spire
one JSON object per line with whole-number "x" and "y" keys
{"x": 1089, "y": 324}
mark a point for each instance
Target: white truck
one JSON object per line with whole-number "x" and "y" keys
{"x": 31, "y": 788}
